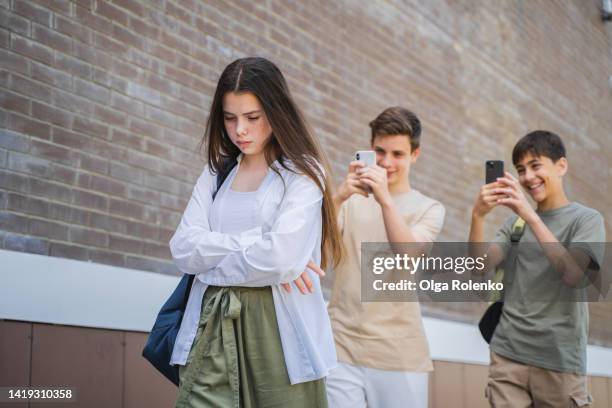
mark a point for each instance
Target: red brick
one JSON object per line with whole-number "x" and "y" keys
{"x": 62, "y": 174}
{"x": 156, "y": 250}
{"x": 124, "y": 244}
{"x": 150, "y": 32}
{"x": 179, "y": 13}
{"x": 53, "y": 191}
{"x": 126, "y": 209}
{"x": 158, "y": 149}
{"x": 172, "y": 202}
{"x": 31, "y": 88}
{"x": 62, "y": 250}
{"x": 51, "y": 76}
{"x": 88, "y": 237}
{"x": 15, "y": 182}
{"x": 61, "y": 6}
{"x": 52, "y": 152}
{"x": 14, "y": 23}
{"x": 125, "y": 36}
{"x": 95, "y": 57}
{"x": 163, "y": 183}
{"x": 90, "y": 200}
{"x": 86, "y": 4}
{"x": 51, "y": 38}
{"x": 112, "y": 224}
{"x": 92, "y": 91}
{"x": 111, "y": 12}
{"x": 14, "y": 102}
{"x": 73, "y": 66}
{"x": 52, "y": 115}
{"x": 106, "y": 257}
{"x": 32, "y": 49}
{"x": 141, "y": 160}
{"x": 144, "y": 128}
{"x": 25, "y": 163}
{"x": 27, "y": 205}
{"x": 32, "y": 12}
{"x": 23, "y": 243}
{"x": 108, "y": 186}
{"x": 93, "y": 164}
{"x": 126, "y": 173}
{"x": 144, "y": 195}
{"x": 87, "y": 19}
{"x": 169, "y": 219}
{"x": 138, "y": 229}
{"x": 76, "y": 31}
{"x": 126, "y": 139}
{"x": 131, "y": 6}
{"x": 127, "y": 104}
{"x": 180, "y": 139}
{"x": 127, "y": 70}
{"x": 72, "y": 103}
{"x": 31, "y": 127}
{"x": 47, "y": 229}
{"x": 110, "y": 117}
{"x": 4, "y": 38}
{"x": 150, "y": 264}
{"x": 14, "y": 62}
{"x": 109, "y": 44}
{"x": 83, "y": 180}
{"x": 90, "y": 127}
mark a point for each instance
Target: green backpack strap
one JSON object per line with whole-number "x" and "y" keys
{"x": 518, "y": 228}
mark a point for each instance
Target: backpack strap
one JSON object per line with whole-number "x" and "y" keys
{"x": 517, "y": 230}
{"x": 223, "y": 172}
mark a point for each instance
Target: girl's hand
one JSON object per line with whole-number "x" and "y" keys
{"x": 303, "y": 282}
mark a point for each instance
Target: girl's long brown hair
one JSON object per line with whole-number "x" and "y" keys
{"x": 291, "y": 138}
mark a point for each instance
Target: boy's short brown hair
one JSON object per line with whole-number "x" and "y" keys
{"x": 397, "y": 121}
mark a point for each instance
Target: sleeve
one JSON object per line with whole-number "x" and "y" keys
{"x": 590, "y": 236}
{"x": 502, "y": 237}
{"x": 282, "y": 253}
{"x": 430, "y": 224}
{"x": 342, "y": 216}
{"x": 194, "y": 247}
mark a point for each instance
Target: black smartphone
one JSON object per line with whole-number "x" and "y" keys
{"x": 494, "y": 169}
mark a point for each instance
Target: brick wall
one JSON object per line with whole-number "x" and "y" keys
{"x": 102, "y": 104}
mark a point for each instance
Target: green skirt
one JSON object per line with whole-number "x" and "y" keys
{"x": 237, "y": 359}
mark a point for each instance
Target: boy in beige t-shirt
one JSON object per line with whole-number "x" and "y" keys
{"x": 382, "y": 350}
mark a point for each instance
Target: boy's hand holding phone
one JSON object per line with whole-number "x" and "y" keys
{"x": 351, "y": 184}
{"x": 513, "y": 197}
{"x": 375, "y": 178}
{"x": 488, "y": 196}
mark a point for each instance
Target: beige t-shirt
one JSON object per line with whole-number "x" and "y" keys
{"x": 382, "y": 335}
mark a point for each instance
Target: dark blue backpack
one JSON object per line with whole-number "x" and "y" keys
{"x": 160, "y": 343}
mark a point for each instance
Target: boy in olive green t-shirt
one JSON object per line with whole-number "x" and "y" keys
{"x": 538, "y": 350}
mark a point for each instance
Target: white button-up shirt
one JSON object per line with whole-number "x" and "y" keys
{"x": 288, "y": 236}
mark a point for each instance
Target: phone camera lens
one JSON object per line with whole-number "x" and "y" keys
{"x": 357, "y": 156}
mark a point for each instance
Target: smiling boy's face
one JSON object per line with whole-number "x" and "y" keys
{"x": 541, "y": 177}
{"x": 393, "y": 153}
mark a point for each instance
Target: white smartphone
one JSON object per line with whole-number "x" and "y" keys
{"x": 367, "y": 157}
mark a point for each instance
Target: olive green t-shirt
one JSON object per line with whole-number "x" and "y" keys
{"x": 539, "y": 326}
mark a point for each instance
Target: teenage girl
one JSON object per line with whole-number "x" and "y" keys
{"x": 245, "y": 341}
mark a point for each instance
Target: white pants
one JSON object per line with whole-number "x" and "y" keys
{"x": 350, "y": 386}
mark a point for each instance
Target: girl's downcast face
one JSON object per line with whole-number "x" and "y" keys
{"x": 246, "y": 122}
